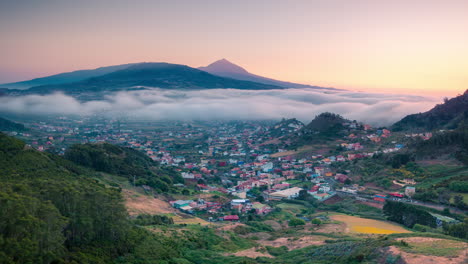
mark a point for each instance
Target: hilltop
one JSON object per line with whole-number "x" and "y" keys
{"x": 324, "y": 127}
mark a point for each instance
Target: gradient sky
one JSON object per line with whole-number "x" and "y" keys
{"x": 411, "y": 46}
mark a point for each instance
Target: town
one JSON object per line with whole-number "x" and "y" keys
{"x": 246, "y": 160}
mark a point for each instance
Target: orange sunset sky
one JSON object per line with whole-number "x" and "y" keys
{"x": 411, "y": 46}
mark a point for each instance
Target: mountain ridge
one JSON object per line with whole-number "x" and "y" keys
{"x": 157, "y": 75}
{"x": 448, "y": 115}
{"x": 65, "y": 77}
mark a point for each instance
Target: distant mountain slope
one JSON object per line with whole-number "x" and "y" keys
{"x": 443, "y": 116}
{"x": 228, "y": 69}
{"x": 67, "y": 77}
{"x": 7, "y": 125}
{"x": 159, "y": 75}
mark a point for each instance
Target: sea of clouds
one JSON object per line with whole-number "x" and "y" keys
{"x": 159, "y": 104}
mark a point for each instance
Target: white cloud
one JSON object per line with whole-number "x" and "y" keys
{"x": 157, "y": 104}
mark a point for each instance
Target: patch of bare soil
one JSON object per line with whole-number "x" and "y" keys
{"x": 295, "y": 243}
{"x": 230, "y": 226}
{"x": 282, "y": 154}
{"x": 411, "y": 258}
{"x": 251, "y": 253}
{"x": 143, "y": 204}
{"x": 420, "y": 239}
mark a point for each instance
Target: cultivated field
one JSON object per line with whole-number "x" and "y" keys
{"x": 368, "y": 226}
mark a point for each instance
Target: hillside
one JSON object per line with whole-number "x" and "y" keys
{"x": 138, "y": 168}
{"x": 323, "y": 128}
{"x": 285, "y": 127}
{"x": 53, "y": 212}
{"x": 157, "y": 75}
{"x": 453, "y": 143}
{"x": 7, "y": 125}
{"x": 443, "y": 116}
{"x": 66, "y": 77}
{"x": 228, "y": 69}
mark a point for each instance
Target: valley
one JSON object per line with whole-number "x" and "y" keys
{"x": 266, "y": 191}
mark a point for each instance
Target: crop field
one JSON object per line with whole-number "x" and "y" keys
{"x": 368, "y": 226}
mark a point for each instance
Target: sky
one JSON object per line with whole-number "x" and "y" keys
{"x": 417, "y": 46}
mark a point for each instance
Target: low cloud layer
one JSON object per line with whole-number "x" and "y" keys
{"x": 157, "y": 104}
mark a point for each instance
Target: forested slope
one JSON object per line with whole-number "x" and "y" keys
{"x": 127, "y": 162}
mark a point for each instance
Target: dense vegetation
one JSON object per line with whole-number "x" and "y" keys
{"x": 407, "y": 214}
{"x": 324, "y": 127}
{"x": 454, "y": 142}
{"x": 50, "y": 213}
{"x": 127, "y": 162}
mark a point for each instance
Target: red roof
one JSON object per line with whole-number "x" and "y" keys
{"x": 231, "y": 217}
{"x": 379, "y": 199}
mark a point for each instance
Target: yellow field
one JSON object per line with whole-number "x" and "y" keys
{"x": 368, "y": 226}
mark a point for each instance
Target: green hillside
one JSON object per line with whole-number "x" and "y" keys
{"x": 7, "y": 125}
{"x": 132, "y": 164}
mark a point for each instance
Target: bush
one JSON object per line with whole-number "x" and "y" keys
{"x": 420, "y": 228}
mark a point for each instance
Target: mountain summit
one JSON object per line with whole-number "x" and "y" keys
{"x": 225, "y": 68}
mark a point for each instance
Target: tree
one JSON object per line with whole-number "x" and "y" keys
{"x": 296, "y": 222}
{"x": 316, "y": 221}
{"x": 303, "y": 195}
{"x": 444, "y": 195}
{"x": 458, "y": 201}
